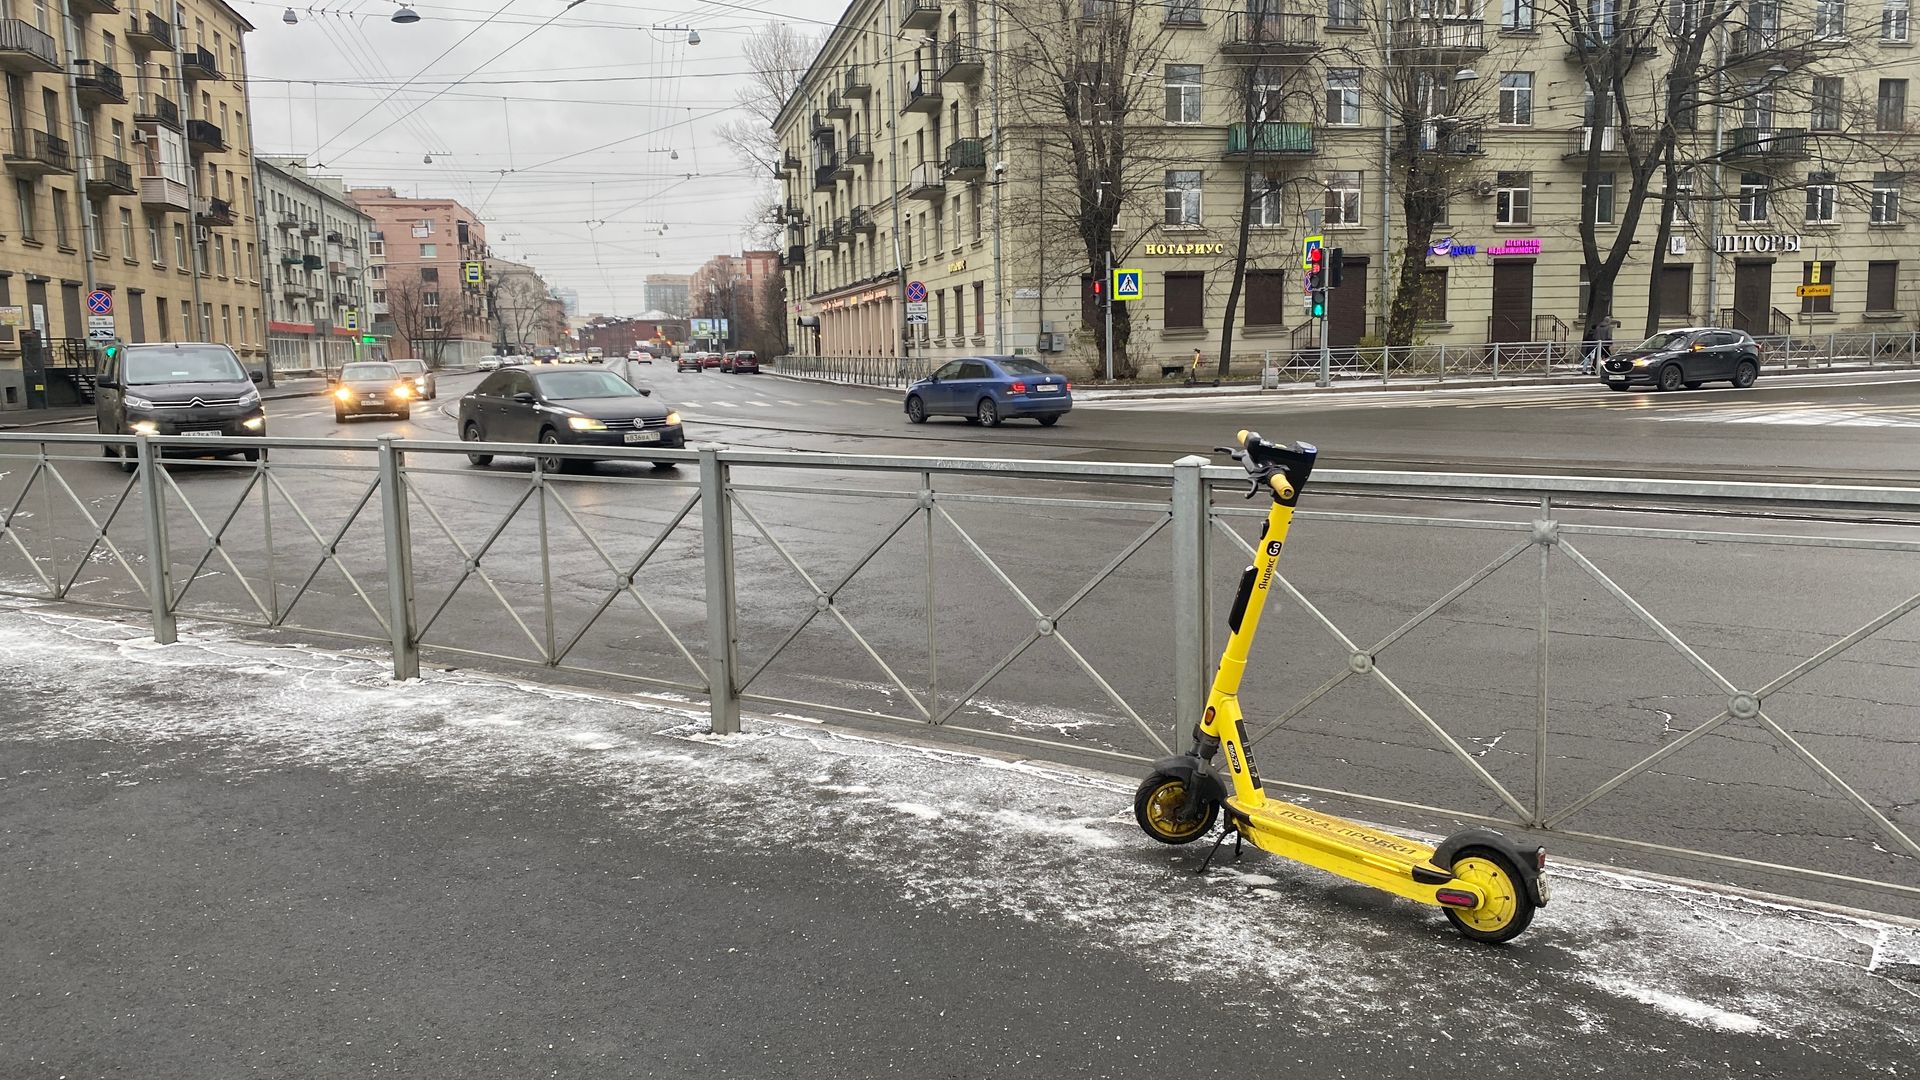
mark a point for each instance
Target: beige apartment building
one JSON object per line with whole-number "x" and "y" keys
{"x": 421, "y": 255}
{"x": 127, "y": 171}
{"x": 891, "y": 176}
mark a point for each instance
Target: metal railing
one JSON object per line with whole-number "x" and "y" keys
{"x": 887, "y": 371}
{"x": 389, "y": 544}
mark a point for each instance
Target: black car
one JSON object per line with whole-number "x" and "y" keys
{"x": 180, "y": 388}
{"x": 1672, "y": 359}
{"x": 370, "y": 388}
{"x": 566, "y": 406}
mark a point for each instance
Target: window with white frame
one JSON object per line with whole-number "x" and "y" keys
{"x": 1753, "y": 198}
{"x": 1343, "y": 97}
{"x": 1516, "y": 98}
{"x": 1183, "y": 197}
{"x": 1890, "y": 107}
{"x": 1342, "y": 208}
{"x": 1893, "y": 21}
{"x": 1513, "y": 198}
{"x": 1684, "y": 16}
{"x": 1597, "y": 196}
{"x": 1822, "y": 193}
{"x": 1343, "y": 14}
{"x": 1830, "y": 19}
{"x": 1516, "y": 15}
{"x": 1267, "y": 202}
{"x": 423, "y": 227}
{"x": 1823, "y": 113}
{"x": 1683, "y": 197}
{"x": 1886, "y": 199}
{"x": 1183, "y": 93}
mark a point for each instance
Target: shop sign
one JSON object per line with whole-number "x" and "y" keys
{"x": 12, "y": 315}
{"x": 1743, "y": 243}
{"x": 1518, "y": 246}
{"x": 867, "y": 297}
{"x": 1186, "y": 249}
{"x": 1452, "y": 248}
{"x": 956, "y": 266}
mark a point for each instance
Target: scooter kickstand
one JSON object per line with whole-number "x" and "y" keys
{"x": 1215, "y": 849}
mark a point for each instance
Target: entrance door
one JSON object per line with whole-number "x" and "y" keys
{"x": 1347, "y": 322}
{"x": 1752, "y": 296}
{"x": 1512, "y": 300}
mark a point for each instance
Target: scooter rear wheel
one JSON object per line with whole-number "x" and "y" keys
{"x": 1157, "y": 804}
{"x": 1509, "y": 907}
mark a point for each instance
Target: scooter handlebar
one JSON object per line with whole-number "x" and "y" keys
{"x": 1280, "y": 467}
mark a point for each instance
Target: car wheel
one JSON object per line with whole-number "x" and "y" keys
{"x": 916, "y": 409}
{"x": 406, "y": 414}
{"x": 1672, "y": 378}
{"x": 252, "y": 455}
{"x": 1617, "y": 387}
{"x": 1745, "y": 374}
{"x": 554, "y": 464}
{"x": 339, "y": 417}
{"x": 987, "y": 412}
{"x": 1047, "y": 421}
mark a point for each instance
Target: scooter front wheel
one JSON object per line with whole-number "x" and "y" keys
{"x": 1509, "y": 906}
{"x": 1158, "y": 804}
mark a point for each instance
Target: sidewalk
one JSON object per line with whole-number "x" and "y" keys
{"x": 228, "y": 857}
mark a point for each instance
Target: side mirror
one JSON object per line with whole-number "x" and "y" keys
{"x": 107, "y": 384}
{"x": 645, "y": 391}
{"x": 523, "y": 398}
{"x": 257, "y": 376}
{"x": 1697, "y": 346}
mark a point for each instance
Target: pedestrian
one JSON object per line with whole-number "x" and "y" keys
{"x": 1606, "y": 338}
{"x": 1193, "y": 369}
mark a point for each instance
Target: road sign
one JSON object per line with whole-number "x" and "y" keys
{"x": 101, "y": 303}
{"x": 1813, "y": 273}
{"x": 1813, "y": 290}
{"x": 917, "y": 293}
{"x": 1311, "y": 245}
{"x": 100, "y": 327}
{"x": 916, "y": 310}
{"x": 1126, "y": 284}
{"x": 471, "y": 273}
{"x": 353, "y": 319}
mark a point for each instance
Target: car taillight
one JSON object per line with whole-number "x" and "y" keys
{"x": 1019, "y": 388}
{"x": 1069, "y": 386}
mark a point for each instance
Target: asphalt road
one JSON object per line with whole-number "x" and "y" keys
{"x": 1617, "y": 692}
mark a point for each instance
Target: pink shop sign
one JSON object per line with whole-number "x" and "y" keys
{"x": 1518, "y": 246}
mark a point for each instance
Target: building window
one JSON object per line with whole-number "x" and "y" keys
{"x": 1893, "y": 21}
{"x": 1753, "y": 197}
{"x": 429, "y": 299}
{"x": 1267, "y": 204}
{"x": 376, "y": 245}
{"x": 226, "y": 322}
{"x": 1516, "y": 15}
{"x": 61, "y": 226}
{"x": 1823, "y": 113}
{"x": 1597, "y": 196}
{"x": 1185, "y": 301}
{"x": 1432, "y": 306}
{"x": 423, "y": 227}
{"x": 206, "y": 322}
{"x": 1882, "y": 283}
{"x": 1343, "y": 14}
{"x": 430, "y": 273}
{"x": 974, "y": 194}
{"x": 1886, "y": 199}
{"x": 1890, "y": 110}
{"x": 153, "y": 243}
{"x": 220, "y": 258}
{"x": 1343, "y": 200}
{"x": 180, "y": 257}
{"x": 1830, "y": 19}
{"x": 940, "y": 312}
{"x": 432, "y": 323}
{"x": 1513, "y": 198}
{"x": 1183, "y": 197}
{"x": 979, "y": 309}
{"x": 1816, "y": 273}
{"x": 379, "y": 296}
{"x": 1183, "y": 93}
{"x": 1266, "y": 298}
{"x": 126, "y": 236}
{"x": 1516, "y": 98}
{"x": 1821, "y": 194}
{"x": 1343, "y": 97}
{"x": 1676, "y": 291}
{"x": 23, "y": 193}
{"x": 1184, "y": 13}
{"x": 1683, "y": 197}
{"x": 429, "y": 251}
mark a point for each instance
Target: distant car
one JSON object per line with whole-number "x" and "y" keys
{"x": 369, "y": 389}
{"x": 489, "y": 363}
{"x": 741, "y": 362}
{"x": 516, "y": 360}
{"x": 425, "y": 385}
{"x": 692, "y": 361}
{"x": 710, "y": 359}
{"x": 1672, "y": 359}
{"x": 989, "y": 389}
{"x": 641, "y": 355}
{"x": 179, "y": 389}
{"x": 565, "y": 406}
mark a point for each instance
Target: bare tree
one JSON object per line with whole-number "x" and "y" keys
{"x": 777, "y": 59}
{"x": 424, "y": 316}
{"x": 521, "y": 311}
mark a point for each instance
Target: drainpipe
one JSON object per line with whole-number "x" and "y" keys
{"x": 999, "y": 182}
{"x": 1713, "y": 203}
{"x": 893, "y": 185}
{"x": 77, "y": 121}
{"x": 179, "y": 20}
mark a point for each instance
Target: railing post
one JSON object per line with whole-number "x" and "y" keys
{"x": 159, "y": 562}
{"x": 399, "y": 540}
{"x": 716, "y": 524}
{"x": 1496, "y": 359}
{"x": 1190, "y": 514}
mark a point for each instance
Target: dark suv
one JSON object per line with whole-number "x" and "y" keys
{"x": 1672, "y": 359}
{"x": 181, "y": 388}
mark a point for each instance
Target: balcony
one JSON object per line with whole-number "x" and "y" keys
{"x": 1464, "y": 139}
{"x": 1626, "y": 44}
{"x": 859, "y": 150}
{"x": 960, "y": 62}
{"x": 919, "y": 14}
{"x": 379, "y": 307}
{"x": 1758, "y": 45}
{"x": 293, "y": 290}
{"x": 25, "y": 48}
{"x": 857, "y": 83}
{"x": 336, "y": 239}
{"x": 861, "y": 221}
{"x": 925, "y": 182}
{"x": 205, "y": 137}
{"x": 98, "y": 84}
{"x": 843, "y": 168}
{"x": 309, "y": 228}
{"x": 1440, "y": 40}
{"x": 1269, "y": 138}
{"x": 823, "y": 239}
{"x": 1608, "y": 142}
{"x": 215, "y": 212}
{"x": 313, "y": 262}
{"x": 336, "y": 267}
{"x": 824, "y": 172}
{"x": 819, "y": 126}
{"x": 199, "y": 64}
{"x": 152, "y": 110}
{"x": 842, "y": 232}
{"x": 286, "y": 222}
{"x": 1777, "y": 144}
{"x": 149, "y": 32}
{"x": 291, "y": 258}
{"x": 38, "y": 153}
{"x": 341, "y": 299}
{"x": 837, "y": 107}
{"x": 95, "y": 7}
{"x": 788, "y": 165}
{"x": 796, "y": 255}
{"x": 923, "y": 95}
{"x": 966, "y": 159}
{"x": 164, "y": 194}
{"x": 110, "y": 176}
{"x": 1270, "y": 33}
{"x": 792, "y": 214}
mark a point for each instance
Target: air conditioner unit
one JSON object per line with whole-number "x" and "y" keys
{"x": 201, "y": 234}
{"x": 1483, "y": 188}
{"x": 140, "y": 136}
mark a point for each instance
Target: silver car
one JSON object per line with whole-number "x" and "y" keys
{"x": 425, "y": 386}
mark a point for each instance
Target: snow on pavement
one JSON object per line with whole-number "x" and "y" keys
{"x": 954, "y": 830}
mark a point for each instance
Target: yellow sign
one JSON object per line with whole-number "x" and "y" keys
{"x": 471, "y": 273}
{"x": 1813, "y": 273}
{"x": 1186, "y": 249}
{"x": 1126, "y": 284}
{"x": 956, "y": 266}
{"x": 1805, "y": 291}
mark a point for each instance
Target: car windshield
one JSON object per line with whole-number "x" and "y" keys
{"x": 1663, "y": 341}
{"x": 567, "y": 385}
{"x": 410, "y": 367}
{"x": 369, "y": 373}
{"x": 170, "y": 365}
{"x": 1015, "y": 365}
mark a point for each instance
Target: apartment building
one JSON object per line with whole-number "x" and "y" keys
{"x": 315, "y": 243}
{"x": 127, "y": 171}
{"x": 427, "y": 291}
{"x": 738, "y": 288}
{"x": 892, "y": 180}
{"x": 665, "y": 292}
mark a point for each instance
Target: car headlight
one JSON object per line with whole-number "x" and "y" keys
{"x": 420, "y": 382}
{"x": 673, "y": 419}
{"x": 144, "y": 427}
{"x": 343, "y": 394}
{"x": 1643, "y": 361}
{"x": 403, "y": 390}
{"x": 132, "y": 402}
{"x": 251, "y": 397}
{"x": 585, "y": 423}
{"x": 254, "y": 424}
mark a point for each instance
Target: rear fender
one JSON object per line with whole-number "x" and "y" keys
{"x": 1526, "y": 859}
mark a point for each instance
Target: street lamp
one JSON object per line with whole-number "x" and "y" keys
{"x": 406, "y": 15}
{"x": 290, "y": 18}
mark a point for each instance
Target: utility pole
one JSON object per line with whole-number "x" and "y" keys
{"x": 197, "y": 255}
{"x": 999, "y": 182}
{"x": 82, "y": 142}
{"x": 1106, "y": 290}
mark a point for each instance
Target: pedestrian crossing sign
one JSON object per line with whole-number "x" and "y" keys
{"x": 353, "y": 319}
{"x": 471, "y": 273}
{"x": 1126, "y": 284}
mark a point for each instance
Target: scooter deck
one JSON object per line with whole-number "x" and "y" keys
{"x": 1347, "y": 848}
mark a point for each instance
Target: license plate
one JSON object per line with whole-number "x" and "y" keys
{"x": 1545, "y": 892}
{"x": 1046, "y": 388}
{"x": 370, "y": 401}
{"x": 643, "y": 436}
{"x": 215, "y": 432}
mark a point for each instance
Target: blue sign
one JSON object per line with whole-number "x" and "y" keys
{"x": 916, "y": 292}
{"x": 100, "y": 303}
{"x": 1449, "y": 247}
{"x": 1126, "y": 284}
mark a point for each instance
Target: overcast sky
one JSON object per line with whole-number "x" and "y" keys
{"x": 561, "y": 138}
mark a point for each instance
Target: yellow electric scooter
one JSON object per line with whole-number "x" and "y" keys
{"x": 1486, "y": 884}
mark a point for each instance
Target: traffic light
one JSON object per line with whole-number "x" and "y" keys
{"x": 1319, "y": 304}
{"x": 1316, "y": 268}
{"x": 1336, "y": 267}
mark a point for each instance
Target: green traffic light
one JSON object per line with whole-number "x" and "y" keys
{"x": 1319, "y": 308}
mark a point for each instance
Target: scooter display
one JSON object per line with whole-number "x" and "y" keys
{"x": 1487, "y": 885}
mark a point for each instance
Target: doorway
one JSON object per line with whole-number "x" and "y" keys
{"x": 1753, "y": 296}
{"x": 1347, "y": 321}
{"x": 1512, "y": 301}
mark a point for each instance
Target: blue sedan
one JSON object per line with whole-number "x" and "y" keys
{"x": 989, "y": 389}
